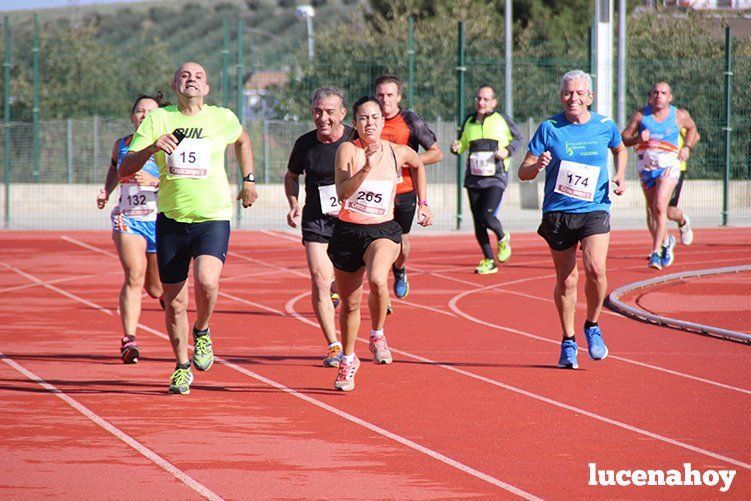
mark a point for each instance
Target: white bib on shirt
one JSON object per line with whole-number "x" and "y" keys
{"x": 330, "y": 204}
{"x": 577, "y": 180}
{"x": 652, "y": 159}
{"x": 372, "y": 198}
{"x": 482, "y": 163}
{"x": 191, "y": 159}
{"x": 138, "y": 202}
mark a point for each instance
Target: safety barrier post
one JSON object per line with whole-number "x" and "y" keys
{"x": 728, "y": 128}
{"x": 35, "y": 109}
{"x": 460, "y": 70}
{"x": 6, "y": 117}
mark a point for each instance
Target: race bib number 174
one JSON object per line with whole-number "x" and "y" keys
{"x": 577, "y": 180}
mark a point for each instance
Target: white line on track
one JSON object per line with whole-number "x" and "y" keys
{"x": 57, "y": 281}
{"x": 480, "y": 288}
{"x": 75, "y": 241}
{"x": 113, "y": 430}
{"x": 290, "y": 306}
{"x": 349, "y": 417}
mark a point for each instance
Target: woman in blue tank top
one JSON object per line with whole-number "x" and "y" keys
{"x": 133, "y": 229}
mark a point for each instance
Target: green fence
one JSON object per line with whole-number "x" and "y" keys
{"x": 56, "y": 164}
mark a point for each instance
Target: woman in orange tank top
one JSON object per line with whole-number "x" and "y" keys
{"x": 366, "y": 238}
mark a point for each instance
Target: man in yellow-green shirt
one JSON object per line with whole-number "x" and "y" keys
{"x": 194, "y": 207}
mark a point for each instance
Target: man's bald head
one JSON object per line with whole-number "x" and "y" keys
{"x": 191, "y": 80}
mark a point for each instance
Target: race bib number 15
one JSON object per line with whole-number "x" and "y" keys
{"x": 577, "y": 180}
{"x": 191, "y": 159}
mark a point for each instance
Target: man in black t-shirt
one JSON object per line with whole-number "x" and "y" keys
{"x": 313, "y": 155}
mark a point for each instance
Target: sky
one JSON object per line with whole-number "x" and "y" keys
{"x": 6, "y": 5}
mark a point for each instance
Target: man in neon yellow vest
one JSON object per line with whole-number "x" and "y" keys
{"x": 491, "y": 138}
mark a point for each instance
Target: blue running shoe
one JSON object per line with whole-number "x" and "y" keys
{"x": 568, "y": 355}
{"x": 655, "y": 261}
{"x": 401, "y": 285}
{"x": 668, "y": 256}
{"x": 595, "y": 344}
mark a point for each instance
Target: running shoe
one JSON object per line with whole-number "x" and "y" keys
{"x": 345, "y": 378}
{"x": 595, "y": 345}
{"x": 335, "y": 299}
{"x": 180, "y": 381}
{"x": 504, "y": 248}
{"x": 569, "y": 350}
{"x": 401, "y": 285}
{"x": 380, "y": 350}
{"x": 486, "y": 267}
{"x": 687, "y": 234}
{"x": 203, "y": 353}
{"x": 333, "y": 356}
{"x": 389, "y": 309}
{"x": 655, "y": 261}
{"x": 129, "y": 350}
{"x": 668, "y": 256}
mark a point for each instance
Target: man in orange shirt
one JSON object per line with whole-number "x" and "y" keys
{"x": 404, "y": 126}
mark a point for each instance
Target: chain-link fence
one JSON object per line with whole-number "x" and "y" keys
{"x": 53, "y": 174}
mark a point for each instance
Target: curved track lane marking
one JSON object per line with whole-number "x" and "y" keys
{"x": 480, "y": 288}
{"x": 290, "y": 308}
{"x": 536, "y": 396}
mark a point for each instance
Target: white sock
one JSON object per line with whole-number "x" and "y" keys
{"x": 335, "y": 343}
{"x": 348, "y": 359}
{"x": 376, "y": 334}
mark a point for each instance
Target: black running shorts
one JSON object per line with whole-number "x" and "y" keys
{"x": 317, "y": 227}
{"x": 350, "y": 241}
{"x": 562, "y": 230}
{"x": 405, "y": 205}
{"x": 177, "y": 243}
{"x": 677, "y": 191}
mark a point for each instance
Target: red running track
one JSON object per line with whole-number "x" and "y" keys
{"x": 472, "y": 407}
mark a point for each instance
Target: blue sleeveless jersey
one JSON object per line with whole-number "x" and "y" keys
{"x": 666, "y": 131}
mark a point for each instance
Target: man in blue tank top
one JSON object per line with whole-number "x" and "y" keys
{"x": 572, "y": 147}
{"x": 655, "y": 131}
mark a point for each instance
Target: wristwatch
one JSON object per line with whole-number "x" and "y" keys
{"x": 249, "y": 178}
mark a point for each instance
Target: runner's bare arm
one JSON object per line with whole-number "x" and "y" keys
{"x": 408, "y": 157}
{"x": 620, "y": 155}
{"x": 292, "y": 191}
{"x": 630, "y": 134}
{"x": 135, "y": 160}
{"x": 346, "y": 183}
{"x": 244, "y": 154}
{"x": 110, "y": 182}
{"x": 532, "y": 165}
{"x": 685, "y": 121}
{"x": 432, "y": 155}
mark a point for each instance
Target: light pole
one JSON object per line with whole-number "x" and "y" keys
{"x": 308, "y": 13}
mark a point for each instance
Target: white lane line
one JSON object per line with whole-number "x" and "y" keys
{"x": 479, "y": 288}
{"x": 370, "y": 426}
{"x": 113, "y": 430}
{"x": 57, "y": 281}
{"x": 492, "y": 325}
{"x": 541, "y": 398}
{"x": 290, "y": 304}
{"x": 79, "y": 243}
